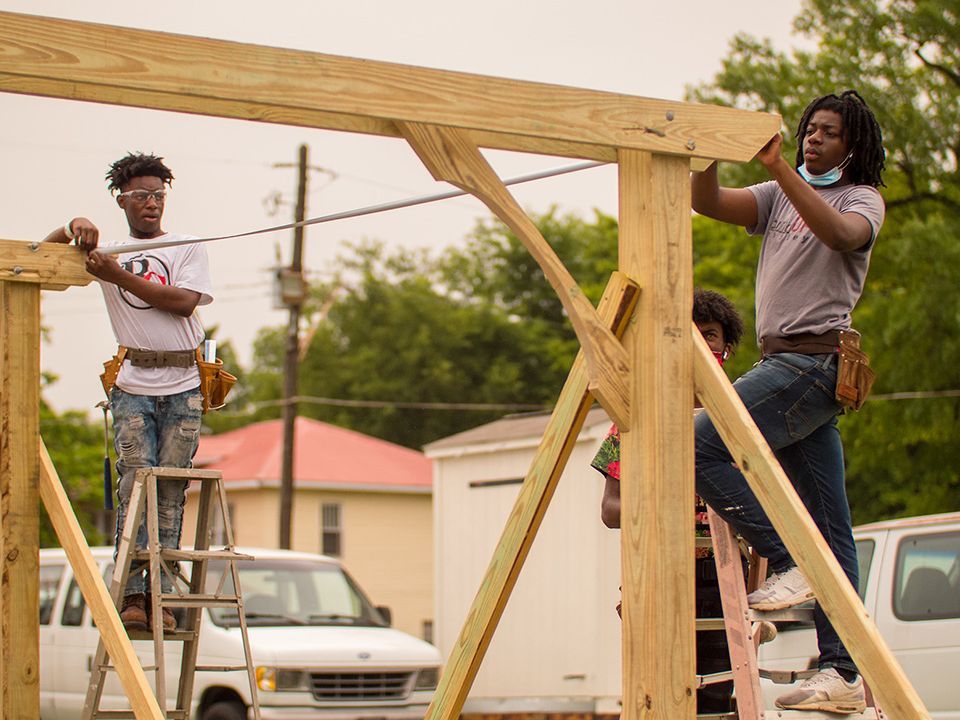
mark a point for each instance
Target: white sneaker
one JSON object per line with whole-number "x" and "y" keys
{"x": 781, "y": 591}
{"x": 828, "y": 692}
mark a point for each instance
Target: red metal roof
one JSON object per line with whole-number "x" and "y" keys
{"x": 325, "y": 455}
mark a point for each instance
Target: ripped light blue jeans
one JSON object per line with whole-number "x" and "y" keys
{"x": 154, "y": 431}
{"x": 791, "y": 398}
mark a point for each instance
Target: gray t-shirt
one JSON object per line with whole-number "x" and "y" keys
{"x": 802, "y": 285}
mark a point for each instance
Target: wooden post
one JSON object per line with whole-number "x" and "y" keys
{"x": 657, "y": 536}
{"x": 19, "y": 480}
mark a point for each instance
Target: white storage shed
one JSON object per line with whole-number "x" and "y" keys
{"x": 557, "y": 648}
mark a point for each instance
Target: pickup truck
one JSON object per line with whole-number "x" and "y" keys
{"x": 910, "y": 585}
{"x": 321, "y": 650}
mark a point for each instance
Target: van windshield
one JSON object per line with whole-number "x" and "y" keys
{"x": 293, "y": 592}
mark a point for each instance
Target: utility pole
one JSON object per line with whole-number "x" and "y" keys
{"x": 291, "y": 364}
{"x": 293, "y": 292}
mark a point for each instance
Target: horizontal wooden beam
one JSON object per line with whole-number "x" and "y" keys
{"x": 52, "y": 265}
{"x": 139, "y": 68}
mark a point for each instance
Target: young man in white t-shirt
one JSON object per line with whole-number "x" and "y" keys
{"x": 151, "y": 299}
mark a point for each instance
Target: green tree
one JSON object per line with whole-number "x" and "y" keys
{"x": 75, "y": 445}
{"x": 902, "y": 56}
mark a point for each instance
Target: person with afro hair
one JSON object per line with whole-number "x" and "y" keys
{"x": 151, "y": 298}
{"x": 819, "y": 219}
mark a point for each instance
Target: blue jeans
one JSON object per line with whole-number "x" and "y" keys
{"x": 154, "y": 431}
{"x": 791, "y": 399}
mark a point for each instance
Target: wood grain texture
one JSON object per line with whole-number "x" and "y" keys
{"x": 656, "y": 485}
{"x": 451, "y": 156}
{"x": 94, "y": 590}
{"x": 101, "y": 63}
{"x": 521, "y": 527}
{"x": 802, "y": 538}
{"x": 51, "y": 265}
{"x": 19, "y": 521}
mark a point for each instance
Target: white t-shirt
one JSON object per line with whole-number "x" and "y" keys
{"x": 139, "y": 325}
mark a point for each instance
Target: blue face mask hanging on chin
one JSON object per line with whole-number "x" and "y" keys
{"x": 829, "y": 177}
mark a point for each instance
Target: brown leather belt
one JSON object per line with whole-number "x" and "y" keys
{"x": 802, "y": 343}
{"x": 161, "y": 358}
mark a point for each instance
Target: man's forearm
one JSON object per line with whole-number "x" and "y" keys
{"x": 178, "y": 301}
{"x": 838, "y": 231}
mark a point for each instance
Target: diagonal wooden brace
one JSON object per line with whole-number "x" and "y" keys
{"x": 94, "y": 591}
{"x": 802, "y": 537}
{"x": 616, "y": 308}
{"x": 452, "y": 156}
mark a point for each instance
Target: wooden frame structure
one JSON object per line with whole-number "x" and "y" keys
{"x": 646, "y": 382}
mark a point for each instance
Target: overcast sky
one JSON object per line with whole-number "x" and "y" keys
{"x": 54, "y": 153}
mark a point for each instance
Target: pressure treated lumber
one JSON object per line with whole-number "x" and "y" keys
{"x": 521, "y": 527}
{"x": 450, "y": 155}
{"x": 786, "y": 511}
{"x": 656, "y": 448}
{"x": 19, "y": 522}
{"x": 139, "y": 68}
{"x": 52, "y": 265}
{"x": 88, "y": 577}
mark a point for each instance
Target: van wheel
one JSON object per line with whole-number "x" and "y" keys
{"x": 228, "y": 710}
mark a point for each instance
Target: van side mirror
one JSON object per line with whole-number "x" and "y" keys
{"x": 385, "y": 614}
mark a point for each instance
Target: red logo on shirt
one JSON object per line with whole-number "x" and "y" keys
{"x": 152, "y": 269}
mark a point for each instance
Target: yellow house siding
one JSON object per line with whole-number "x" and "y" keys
{"x": 386, "y": 540}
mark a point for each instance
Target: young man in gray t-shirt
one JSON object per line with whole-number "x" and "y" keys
{"x": 819, "y": 222}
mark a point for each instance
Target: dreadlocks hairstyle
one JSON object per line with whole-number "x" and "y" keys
{"x": 710, "y": 306}
{"x": 862, "y": 134}
{"x": 136, "y": 165}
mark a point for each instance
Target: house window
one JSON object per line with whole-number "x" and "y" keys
{"x": 330, "y": 521}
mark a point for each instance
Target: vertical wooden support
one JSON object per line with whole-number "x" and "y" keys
{"x": 657, "y": 536}
{"x": 19, "y": 481}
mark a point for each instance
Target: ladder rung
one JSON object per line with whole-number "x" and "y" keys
{"x": 169, "y": 473}
{"x": 706, "y": 624}
{"x": 786, "y": 677}
{"x": 192, "y": 555}
{"x": 220, "y": 668}
{"x": 171, "y": 714}
{"x": 175, "y": 636}
{"x": 794, "y": 614}
{"x": 714, "y": 678}
{"x": 870, "y": 714}
{"x": 188, "y": 601}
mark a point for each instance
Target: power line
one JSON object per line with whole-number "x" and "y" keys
{"x": 398, "y": 404}
{"x": 359, "y": 212}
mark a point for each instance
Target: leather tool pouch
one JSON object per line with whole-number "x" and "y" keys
{"x": 215, "y": 383}
{"x": 854, "y": 375}
{"x": 111, "y": 368}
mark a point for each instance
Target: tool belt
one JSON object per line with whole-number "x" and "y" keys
{"x": 855, "y": 377}
{"x": 215, "y": 382}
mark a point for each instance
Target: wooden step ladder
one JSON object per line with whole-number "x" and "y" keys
{"x": 743, "y": 630}
{"x": 189, "y": 594}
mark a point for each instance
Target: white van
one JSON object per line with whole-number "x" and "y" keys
{"x": 322, "y": 651}
{"x": 910, "y": 585}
